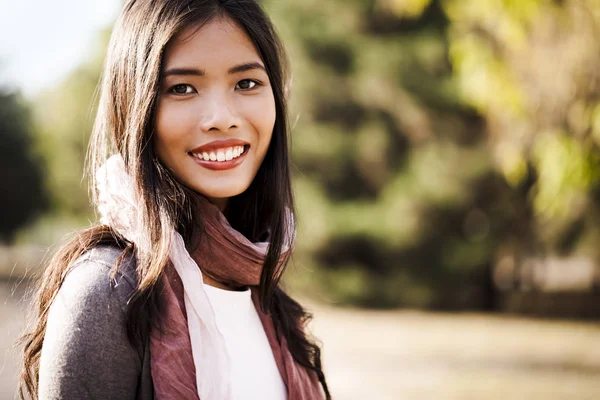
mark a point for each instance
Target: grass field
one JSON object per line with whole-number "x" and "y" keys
{"x": 415, "y": 355}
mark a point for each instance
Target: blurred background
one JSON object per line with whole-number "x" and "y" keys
{"x": 447, "y": 173}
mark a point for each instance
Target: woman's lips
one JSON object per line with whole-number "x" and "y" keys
{"x": 221, "y": 165}
{"x": 219, "y": 144}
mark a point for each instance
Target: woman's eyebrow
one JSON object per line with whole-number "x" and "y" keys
{"x": 200, "y": 72}
{"x": 183, "y": 71}
{"x": 245, "y": 67}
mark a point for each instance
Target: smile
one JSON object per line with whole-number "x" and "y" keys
{"x": 219, "y": 159}
{"x": 220, "y": 155}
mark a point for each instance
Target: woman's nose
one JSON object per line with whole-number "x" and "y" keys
{"x": 218, "y": 114}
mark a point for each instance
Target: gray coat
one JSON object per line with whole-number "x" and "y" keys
{"x": 85, "y": 353}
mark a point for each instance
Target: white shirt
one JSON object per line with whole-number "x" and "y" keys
{"x": 254, "y": 373}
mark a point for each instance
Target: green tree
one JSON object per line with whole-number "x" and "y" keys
{"x": 530, "y": 68}
{"x": 22, "y": 186}
{"x": 399, "y": 202}
{"x": 431, "y": 133}
{"x": 63, "y": 118}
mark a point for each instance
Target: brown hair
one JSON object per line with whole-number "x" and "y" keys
{"x": 124, "y": 124}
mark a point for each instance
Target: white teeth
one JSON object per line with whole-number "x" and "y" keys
{"x": 221, "y": 155}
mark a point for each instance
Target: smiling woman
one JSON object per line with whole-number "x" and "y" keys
{"x": 175, "y": 293}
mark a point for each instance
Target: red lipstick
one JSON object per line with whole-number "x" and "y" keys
{"x": 214, "y": 147}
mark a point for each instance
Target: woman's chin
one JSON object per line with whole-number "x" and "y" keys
{"x": 220, "y": 195}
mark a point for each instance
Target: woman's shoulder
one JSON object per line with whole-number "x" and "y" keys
{"x": 103, "y": 278}
{"x": 104, "y": 264}
{"x": 86, "y": 338}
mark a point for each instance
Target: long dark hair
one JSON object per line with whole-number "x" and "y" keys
{"x": 125, "y": 123}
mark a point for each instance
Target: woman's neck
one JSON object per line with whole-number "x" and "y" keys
{"x": 221, "y": 203}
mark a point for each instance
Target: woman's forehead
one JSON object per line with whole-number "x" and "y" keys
{"x": 215, "y": 44}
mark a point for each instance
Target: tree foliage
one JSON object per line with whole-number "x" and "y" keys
{"x": 531, "y": 69}
{"x": 432, "y": 133}
{"x": 63, "y": 117}
{"x": 22, "y": 185}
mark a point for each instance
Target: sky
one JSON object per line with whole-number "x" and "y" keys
{"x": 41, "y": 41}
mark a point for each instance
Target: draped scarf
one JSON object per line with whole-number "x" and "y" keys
{"x": 188, "y": 356}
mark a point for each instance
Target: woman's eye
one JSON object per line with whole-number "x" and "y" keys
{"x": 246, "y": 84}
{"x": 182, "y": 89}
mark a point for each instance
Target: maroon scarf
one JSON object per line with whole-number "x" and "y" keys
{"x": 228, "y": 257}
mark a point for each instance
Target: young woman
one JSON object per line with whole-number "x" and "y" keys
{"x": 175, "y": 294}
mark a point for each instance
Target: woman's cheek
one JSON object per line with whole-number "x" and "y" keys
{"x": 170, "y": 132}
{"x": 174, "y": 117}
{"x": 261, "y": 114}
{"x": 174, "y": 122}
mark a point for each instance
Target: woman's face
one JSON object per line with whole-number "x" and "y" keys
{"x": 216, "y": 110}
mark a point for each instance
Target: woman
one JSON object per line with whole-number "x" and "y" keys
{"x": 175, "y": 294}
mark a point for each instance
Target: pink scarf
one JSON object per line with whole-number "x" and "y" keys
{"x": 189, "y": 359}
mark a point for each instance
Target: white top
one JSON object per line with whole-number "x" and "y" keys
{"x": 254, "y": 373}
